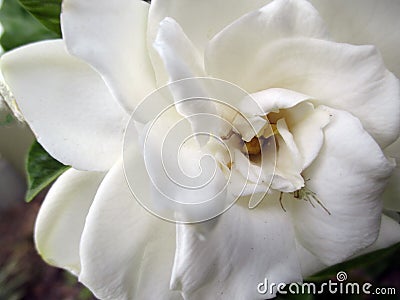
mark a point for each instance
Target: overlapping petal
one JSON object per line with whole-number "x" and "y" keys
{"x": 187, "y": 183}
{"x": 273, "y": 100}
{"x": 306, "y": 123}
{"x": 180, "y": 57}
{"x": 309, "y": 263}
{"x": 126, "y": 252}
{"x": 66, "y": 104}
{"x": 352, "y": 78}
{"x": 251, "y": 34}
{"x": 348, "y": 178}
{"x": 389, "y": 234}
{"x": 111, "y": 36}
{"x": 289, "y": 161}
{"x": 212, "y": 15}
{"x": 365, "y": 22}
{"x": 62, "y": 216}
{"x": 229, "y": 256}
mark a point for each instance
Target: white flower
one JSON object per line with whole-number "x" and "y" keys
{"x": 335, "y": 105}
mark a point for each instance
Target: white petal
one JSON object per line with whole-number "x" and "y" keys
{"x": 365, "y": 22}
{"x": 126, "y": 252}
{"x": 66, "y": 104}
{"x": 309, "y": 263}
{"x": 213, "y": 15}
{"x": 217, "y": 13}
{"x": 251, "y": 34}
{"x": 187, "y": 182}
{"x": 61, "y": 218}
{"x": 179, "y": 55}
{"x": 306, "y": 125}
{"x": 111, "y": 36}
{"x": 346, "y": 77}
{"x": 389, "y": 234}
{"x": 272, "y": 100}
{"x": 181, "y": 61}
{"x": 348, "y": 178}
{"x": 229, "y": 256}
{"x": 288, "y": 163}
{"x": 249, "y": 172}
{"x": 304, "y": 122}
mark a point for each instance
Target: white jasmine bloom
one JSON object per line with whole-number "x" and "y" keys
{"x": 320, "y": 72}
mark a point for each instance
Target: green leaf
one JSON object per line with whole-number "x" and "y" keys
{"x": 20, "y": 27}
{"x": 41, "y": 169}
{"x": 46, "y": 11}
{"x": 361, "y": 261}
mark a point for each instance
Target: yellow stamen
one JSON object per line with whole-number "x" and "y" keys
{"x": 253, "y": 147}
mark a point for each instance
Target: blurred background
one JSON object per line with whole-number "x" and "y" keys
{"x": 23, "y": 275}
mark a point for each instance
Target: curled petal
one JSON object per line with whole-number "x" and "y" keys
{"x": 111, "y": 37}
{"x": 180, "y": 57}
{"x": 365, "y": 22}
{"x": 66, "y": 104}
{"x": 187, "y": 13}
{"x": 351, "y": 78}
{"x": 62, "y": 216}
{"x": 231, "y": 254}
{"x": 289, "y": 160}
{"x": 389, "y": 234}
{"x": 347, "y": 178}
{"x": 252, "y": 33}
{"x": 306, "y": 123}
{"x": 181, "y": 61}
{"x": 273, "y": 100}
{"x": 125, "y": 249}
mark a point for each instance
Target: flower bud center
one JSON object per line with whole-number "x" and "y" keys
{"x": 254, "y": 146}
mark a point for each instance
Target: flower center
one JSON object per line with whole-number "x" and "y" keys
{"x": 254, "y": 146}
